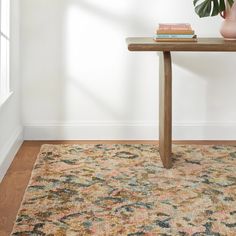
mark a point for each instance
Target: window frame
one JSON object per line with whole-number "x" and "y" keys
{"x": 5, "y": 14}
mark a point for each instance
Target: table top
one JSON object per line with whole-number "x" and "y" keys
{"x": 202, "y": 44}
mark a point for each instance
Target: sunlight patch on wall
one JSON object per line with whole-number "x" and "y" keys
{"x": 94, "y": 58}
{"x": 93, "y": 40}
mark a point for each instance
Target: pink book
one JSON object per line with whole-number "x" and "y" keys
{"x": 175, "y": 26}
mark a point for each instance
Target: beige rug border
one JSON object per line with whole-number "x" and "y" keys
{"x": 29, "y": 182}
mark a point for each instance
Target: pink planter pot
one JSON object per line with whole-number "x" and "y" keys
{"x": 228, "y": 28}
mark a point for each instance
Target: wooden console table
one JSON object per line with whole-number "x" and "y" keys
{"x": 165, "y": 79}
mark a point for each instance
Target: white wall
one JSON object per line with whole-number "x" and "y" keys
{"x": 79, "y": 81}
{"x": 11, "y": 132}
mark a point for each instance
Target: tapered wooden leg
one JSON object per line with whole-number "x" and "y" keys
{"x": 165, "y": 109}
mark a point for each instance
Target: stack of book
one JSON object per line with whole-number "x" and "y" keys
{"x": 182, "y": 32}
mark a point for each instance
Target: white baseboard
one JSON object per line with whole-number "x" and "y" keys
{"x": 9, "y": 150}
{"x": 127, "y": 131}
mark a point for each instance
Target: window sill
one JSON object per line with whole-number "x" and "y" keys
{"x": 5, "y": 99}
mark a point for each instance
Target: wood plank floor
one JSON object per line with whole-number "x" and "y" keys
{"x": 13, "y": 186}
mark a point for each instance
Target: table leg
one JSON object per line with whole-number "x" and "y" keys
{"x": 165, "y": 108}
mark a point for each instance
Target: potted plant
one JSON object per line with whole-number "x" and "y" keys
{"x": 206, "y": 8}
{"x": 226, "y": 8}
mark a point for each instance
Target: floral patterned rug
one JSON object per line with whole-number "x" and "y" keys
{"x": 112, "y": 190}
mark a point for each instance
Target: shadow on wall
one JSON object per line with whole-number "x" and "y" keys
{"x": 123, "y": 20}
{"x": 96, "y": 99}
{"x": 216, "y": 70}
{"x": 201, "y": 63}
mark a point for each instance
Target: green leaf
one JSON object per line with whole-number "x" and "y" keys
{"x": 203, "y": 9}
{"x": 195, "y": 2}
{"x": 222, "y": 5}
{"x": 206, "y": 8}
{"x": 216, "y": 8}
{"x": 231, "y": 2}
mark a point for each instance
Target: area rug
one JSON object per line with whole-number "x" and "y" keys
{"x": 111, "y": 190}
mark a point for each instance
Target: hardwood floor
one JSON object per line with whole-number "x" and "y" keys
{"x": 13, "y": 186}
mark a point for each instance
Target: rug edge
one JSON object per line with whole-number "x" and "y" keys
{"x": 28, "y": 184}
